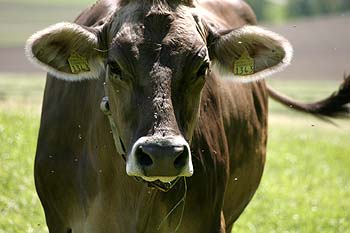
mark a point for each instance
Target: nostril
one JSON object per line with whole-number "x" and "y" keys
{"x": 181, "y": 160}
{"x": 142, "y": 158}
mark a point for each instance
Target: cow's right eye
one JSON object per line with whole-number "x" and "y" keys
{"x": 115, "y": 70}
{"x": 203, "y": 70}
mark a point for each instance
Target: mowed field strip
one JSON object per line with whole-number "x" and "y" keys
{"x": 305, "y": 187}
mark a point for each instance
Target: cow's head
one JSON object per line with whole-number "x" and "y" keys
{"x": 157, "y": 58}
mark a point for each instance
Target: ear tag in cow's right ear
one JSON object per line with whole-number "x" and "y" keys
{"x": 244, "y": 65}
{"x": 78, "y": 64}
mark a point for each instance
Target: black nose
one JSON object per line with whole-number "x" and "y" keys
{"x": 161, "y": 160}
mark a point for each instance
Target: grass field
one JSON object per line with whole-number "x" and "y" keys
{"x": 306, "y": 184}
{"x": 305, "y": 187}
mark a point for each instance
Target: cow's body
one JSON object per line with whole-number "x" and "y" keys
{"x": 81, "y": 179}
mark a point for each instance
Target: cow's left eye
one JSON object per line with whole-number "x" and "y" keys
{"x": 115, "y": 70}
{"x": 203, "y": 70}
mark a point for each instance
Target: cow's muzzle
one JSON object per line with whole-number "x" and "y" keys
{"x": 160, "y": 158}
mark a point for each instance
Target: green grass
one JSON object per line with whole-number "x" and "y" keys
{"x": 305, "y": 187}
{"x": 19, "y": 204}
{"x": 20, "y": 99}
{"x": 21, "y": 92}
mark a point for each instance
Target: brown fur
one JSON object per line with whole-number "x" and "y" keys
{"x": 79, "y": 176}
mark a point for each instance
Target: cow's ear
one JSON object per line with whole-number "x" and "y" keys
{"x": 66, "y": 50}
{"x": 250, "y": 53}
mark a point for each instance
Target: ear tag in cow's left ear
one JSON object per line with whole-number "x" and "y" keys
{"x": 78, "y": 64}
{"x": 244, "y": 65}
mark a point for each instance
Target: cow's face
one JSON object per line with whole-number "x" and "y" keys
{"x": 156, "y": 59}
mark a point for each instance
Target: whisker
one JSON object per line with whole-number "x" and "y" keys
{"x": 102, "y": 50}
{"x": 182, "y": 200}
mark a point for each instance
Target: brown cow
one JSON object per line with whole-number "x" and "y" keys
{"x": 180, "y": 150}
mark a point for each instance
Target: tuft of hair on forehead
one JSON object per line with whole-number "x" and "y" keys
{"x": 159, "y": 2}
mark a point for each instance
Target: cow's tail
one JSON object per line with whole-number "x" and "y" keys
{"x": 336, "y": 105}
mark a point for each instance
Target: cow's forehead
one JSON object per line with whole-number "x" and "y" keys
{"x": 140, "y": 27}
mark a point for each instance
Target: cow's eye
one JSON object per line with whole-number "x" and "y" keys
{"x": 203, "y": 70}
{"x": 115, "y": 70}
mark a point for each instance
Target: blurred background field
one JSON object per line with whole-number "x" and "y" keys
{"x": 306, "y": 185}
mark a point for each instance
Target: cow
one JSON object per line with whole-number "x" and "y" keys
{"x": 154, "y": 117}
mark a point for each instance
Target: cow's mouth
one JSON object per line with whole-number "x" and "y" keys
{"x": 162, "y": 179}
{"x": 163, "y": 184}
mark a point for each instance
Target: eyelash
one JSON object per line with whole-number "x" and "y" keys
{"x": 115, "y": 70}
{"x": 203, "y": 70}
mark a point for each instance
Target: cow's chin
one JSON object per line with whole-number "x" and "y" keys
{"x": 162, "y": 179}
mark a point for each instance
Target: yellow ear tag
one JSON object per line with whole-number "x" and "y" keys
{"x": 78, "y": 64}
{"x": 244, "y": 65}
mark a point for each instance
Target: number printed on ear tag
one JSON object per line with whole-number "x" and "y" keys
{"x": 244, "y": 65}
{"x": 78, "y": 64}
